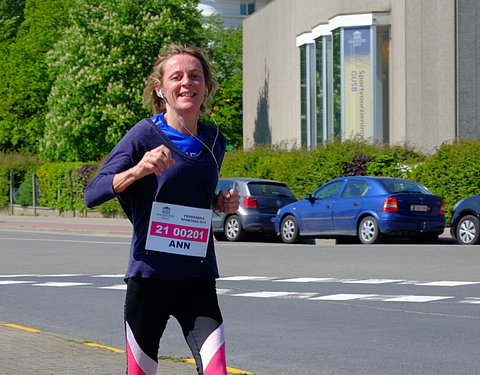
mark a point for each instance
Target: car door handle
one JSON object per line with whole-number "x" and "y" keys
{"x": 356, "y": 204}
{"x": 328, "y": 206}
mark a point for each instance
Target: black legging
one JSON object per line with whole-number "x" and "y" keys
{"x": 148, "y": 306}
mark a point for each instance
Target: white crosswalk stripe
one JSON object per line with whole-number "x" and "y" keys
{"x": 12, "y": 282}
{"x": 342, "y": 297}
{"x": 472, "y": 300}
{"x": 447, "y": 283}
{"x": 306, "y": 280}
{"x": 114, "y": 287}
{"x": 61, "y": 284}
{"x": 16, "y": 279}
{"x": 264, "y": 294}
{"x": 245, "y": 278}
{"x": 373, "y": 281}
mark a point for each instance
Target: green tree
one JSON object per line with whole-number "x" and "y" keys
{"x": 100, "y": 67}
{"x": 11, "y": 16}
{"x": 225, "y": 51}
{"x": 26, "y": 85}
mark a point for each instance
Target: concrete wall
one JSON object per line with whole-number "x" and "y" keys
{"x": 430, "y": 74}
{"x": 422, "y": 68}
{"x": 468, "y": 69}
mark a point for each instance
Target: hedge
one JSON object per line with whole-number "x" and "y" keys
{"x": 18, "y": 164}
{"x": 451, "y": 172}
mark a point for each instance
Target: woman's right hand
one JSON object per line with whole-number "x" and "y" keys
{"x": 154, "y": 161}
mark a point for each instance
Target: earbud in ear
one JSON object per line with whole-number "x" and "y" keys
{"x": 160, "y": 93}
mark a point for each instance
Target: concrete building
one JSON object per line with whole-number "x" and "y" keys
{"x": 392, "y": 71}
{"x": 232, "y": 12}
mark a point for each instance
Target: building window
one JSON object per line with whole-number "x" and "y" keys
{"x": 247, "y": 7}
{"x": 303, "y": 93}
{"x": 364, "y": 55}
{"x": 344, "y": 80}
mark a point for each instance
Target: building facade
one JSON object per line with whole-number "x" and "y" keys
{"x": 389, "y": 71}
{"x": 231, "y": 12}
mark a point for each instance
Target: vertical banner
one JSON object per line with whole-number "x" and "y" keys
{"x": 357, "y": 90}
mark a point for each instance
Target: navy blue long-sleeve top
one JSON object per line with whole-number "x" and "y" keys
{"x": 191, "y": 181}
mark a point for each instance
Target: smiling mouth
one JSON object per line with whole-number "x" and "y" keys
{"x": 188, "y": 95}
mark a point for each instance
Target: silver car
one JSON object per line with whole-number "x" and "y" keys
{"x": 260, "y": 200}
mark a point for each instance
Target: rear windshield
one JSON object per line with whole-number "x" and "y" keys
{"x": 261, "y": 188}
{"x": 405, "y": 186}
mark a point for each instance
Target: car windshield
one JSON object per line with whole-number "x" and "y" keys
{"x": 405, "y": 186}
{"x": 259, "y": 189}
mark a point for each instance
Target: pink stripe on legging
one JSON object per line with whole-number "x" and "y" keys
{"x": 217, "y": 366}
{"x": 138, "y": 363}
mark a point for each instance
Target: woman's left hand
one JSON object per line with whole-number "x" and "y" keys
{"x": 228, "y": 201}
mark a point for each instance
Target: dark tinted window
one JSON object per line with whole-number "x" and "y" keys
{"x": 405, "y": 186}
{"x": 329, "y": 191}
{"x": 259, "y": 189}
{"x": 355, "y": 189}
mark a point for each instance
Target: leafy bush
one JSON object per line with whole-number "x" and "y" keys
{"x": 25, "y": 192}
{"x": 304, "y": 171}
{"x": 452, "y": 172}
{"x": 18, "y": 164}
{"x": 61, "y": 186}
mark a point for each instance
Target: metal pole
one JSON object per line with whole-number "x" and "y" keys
{"x": 34, "y": 195}
{"x": 11, "y": 192}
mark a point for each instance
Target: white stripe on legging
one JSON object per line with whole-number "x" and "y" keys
{"x": 211, "y": 345}
{"x": 148, "y": 365}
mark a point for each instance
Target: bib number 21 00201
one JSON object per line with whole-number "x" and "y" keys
{"x": 179, "y": 229}
{"x": 178, "y": 232}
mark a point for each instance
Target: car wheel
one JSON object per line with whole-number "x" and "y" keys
{"x": 468, "y": 230}
{"x": 368, "y": 231}
{"x": 289, "y": 230}
{"x": 233, "y": 229}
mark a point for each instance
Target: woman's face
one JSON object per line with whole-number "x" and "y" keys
{"x": 183, "y": 85}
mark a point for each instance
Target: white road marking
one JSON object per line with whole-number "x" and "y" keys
{"x": 416, "y": 298}
{"x": 378, "y": 297}
{"x": 29, "y": 275}
{"x": 223, "y": 291}
{"x": 273, "y": 294}
{"x": 11, "y": 282}
{"x": 472, "y": 300}
{"x": 373, "y": 281}
{"x": 62, "y": 275}
{"x": 306, "y": 280}
{"x": 342, "y": 297}
{"x": 447, "y": 283}
{"x": 115, "y": 287}
{"x": 69, "y": 241}
{"x": 113, "y": 276}
{"x": 264, "y": 294}
{"x": 245, "y": 278}
{"x": 61, "y": 284}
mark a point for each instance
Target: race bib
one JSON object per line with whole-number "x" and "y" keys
{"x": 179, "y": 229}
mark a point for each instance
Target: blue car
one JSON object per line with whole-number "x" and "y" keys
{"x": 465, "y": 221}
{"x": 369, "y": 208}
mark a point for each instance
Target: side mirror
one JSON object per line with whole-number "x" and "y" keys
{"x": 309, "y": 197}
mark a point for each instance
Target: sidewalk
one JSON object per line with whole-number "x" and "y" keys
{"x": 79, "y": 225}
{"x": 25, "y": 351}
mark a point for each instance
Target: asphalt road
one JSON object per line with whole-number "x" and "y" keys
{"x": 289, "y": 309}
